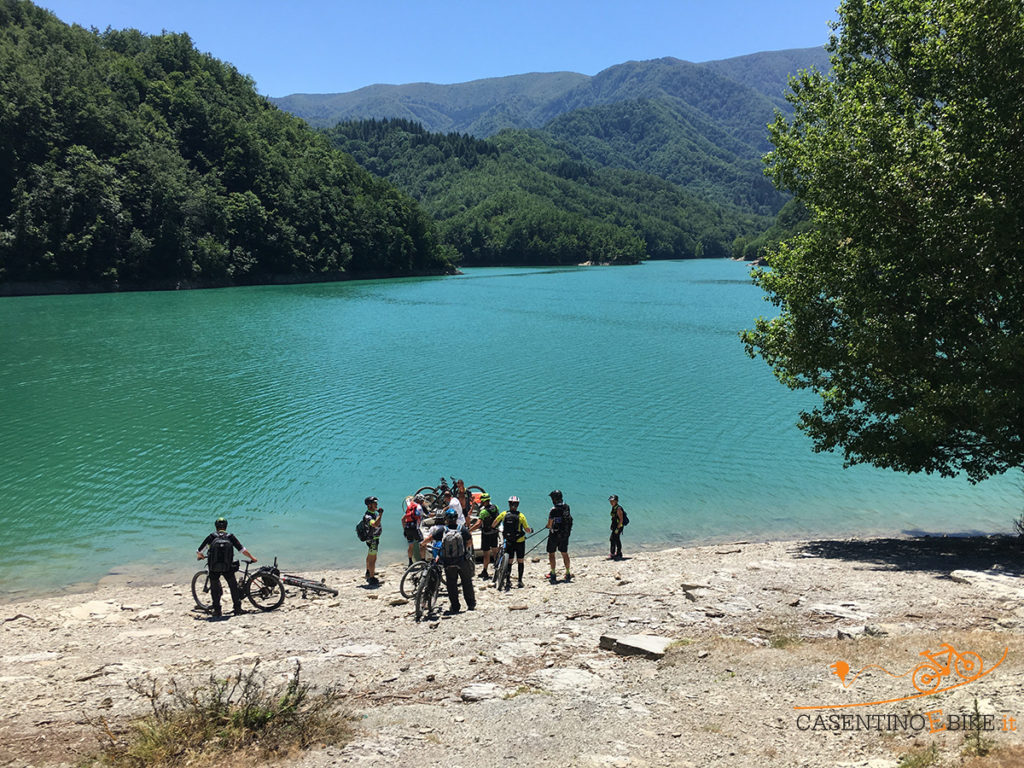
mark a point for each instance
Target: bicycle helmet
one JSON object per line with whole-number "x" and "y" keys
{"x": 485, "y": 497}
{"x": 555, "y": 495}
{"x": 419, "y": 498}
{"x": 221, "y": 524}
{"x": 450, "y": 516}
{"x": 513, "y": 499}
{"x": 369, "y": 500}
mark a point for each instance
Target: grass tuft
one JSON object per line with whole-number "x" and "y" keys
{"x": 239, "y": 714}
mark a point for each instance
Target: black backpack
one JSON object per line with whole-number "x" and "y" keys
{"x": 221, "y": 556}
{"x": 363, "y": 529}
{"x": 511, "y": 526}
{"x": 625, "y": 518}
{"x": 561, "y": 520}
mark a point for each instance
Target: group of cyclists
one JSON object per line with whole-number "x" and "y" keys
{"x": 449, "y": 540}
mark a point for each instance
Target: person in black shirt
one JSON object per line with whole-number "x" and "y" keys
{"x": 559, "y": 527}
{"x": 618, "y": 521}
{"x": 221, "y": 563}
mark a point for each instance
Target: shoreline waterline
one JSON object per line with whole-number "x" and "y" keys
{"x": 393, "y": 561}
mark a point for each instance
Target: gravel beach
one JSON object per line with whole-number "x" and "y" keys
{"x": 682, "y": 657}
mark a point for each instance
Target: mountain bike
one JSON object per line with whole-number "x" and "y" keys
{"x": 428, "y": 589}
{"x": 262, "y": 587}
{"x": 503, "y": 571}
{"x": 411, "y": 579}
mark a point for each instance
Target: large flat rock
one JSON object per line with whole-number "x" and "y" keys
{"x": 650, "y": 646}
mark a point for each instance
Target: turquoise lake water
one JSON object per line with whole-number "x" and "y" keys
{"x": 131, "y": 421}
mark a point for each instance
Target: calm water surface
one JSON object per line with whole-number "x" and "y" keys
{"x": 131, "y": 421}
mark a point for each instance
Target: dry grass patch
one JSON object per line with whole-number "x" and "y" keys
{"x": 236, "y": 717}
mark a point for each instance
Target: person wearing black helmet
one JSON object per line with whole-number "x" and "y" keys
{"x": 456, "y": 543}
{"x": 559, "y": 527}
{"x": 372, "y": 521}
{"x": 221, "y": 562}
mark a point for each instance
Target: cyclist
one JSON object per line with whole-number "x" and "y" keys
{"x": 559, "y": 527}
{"x": 514, "y": 528}
{"x": 451, "y": 502}
{"x": 412, "y": 522}
{"x": 372, "y": 518}
{"x": 488, "y": 530}
{"x": 221, "y": 562}
{"x": 455, "y": 547}
{"x": 618, "y": 522}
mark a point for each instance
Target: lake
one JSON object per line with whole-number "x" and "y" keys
{"x": 131, "y": 421}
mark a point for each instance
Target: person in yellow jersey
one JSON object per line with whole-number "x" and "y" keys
{"x": 514, "y": 529}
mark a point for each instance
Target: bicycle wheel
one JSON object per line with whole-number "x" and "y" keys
{"x": 426, "y": 594}
{"x": 427, "y": 490}
{"x": 474, "y": 488}
{"x": 201, "y": 591}
{"x": 265, "y": 591}
{"x": 505, "y": 578}
{"x": 411, "y": 579}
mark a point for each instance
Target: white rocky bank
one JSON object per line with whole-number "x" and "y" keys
{"x": 750, "y": 629}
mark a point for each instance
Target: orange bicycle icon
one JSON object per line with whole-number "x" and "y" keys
{"x": 956, "y": 668}
{"x": 928, "y": 675}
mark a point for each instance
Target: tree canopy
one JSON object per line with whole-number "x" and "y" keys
{"x": 128, "y": 159}
{"x": 903, "y": 306}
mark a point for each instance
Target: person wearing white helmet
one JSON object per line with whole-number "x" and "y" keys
{"x": 514, "y": 528}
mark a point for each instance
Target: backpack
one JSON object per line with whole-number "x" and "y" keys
{"x": 221, "y": 557}
{"x": 409, "y": 518}
{"x": 625, "y": 518}
{"x": 561, "y": 520}
{"x": 363, "y": 529}
{"x": 487, "y": 515}
{"x": 511, "y": 525}
{"x": 453, "y": 548}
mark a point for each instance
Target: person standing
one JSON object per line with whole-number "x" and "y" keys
{"x": 559, "y": 527}
{"x": 488, "y": 530}
{"x": 452, "y": 502}
{"x": 412, "y": 526}
{"x": 455, "y": 557}
{"x": 514, "y": 531}
{"x": 372, "y": 520}
{"x": 618, "y": 523}
{"x": 220, "y": 561}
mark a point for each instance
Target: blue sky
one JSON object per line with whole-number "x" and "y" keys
{"x": 319, "y": 46}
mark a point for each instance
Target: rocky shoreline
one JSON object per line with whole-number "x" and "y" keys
{"x": 742, "y": 634}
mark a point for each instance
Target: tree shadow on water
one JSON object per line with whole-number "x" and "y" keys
{"x": 936, "y": 553}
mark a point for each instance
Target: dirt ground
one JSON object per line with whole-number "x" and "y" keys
{"x": 779, "y": 654}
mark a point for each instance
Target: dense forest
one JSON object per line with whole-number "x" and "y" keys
{"x": 520, "y": 198}
{"x": 132, "y": 160}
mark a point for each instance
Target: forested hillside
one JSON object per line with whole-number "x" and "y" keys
{"x": 134, "y": 160}
{"x": 517, "y": 198}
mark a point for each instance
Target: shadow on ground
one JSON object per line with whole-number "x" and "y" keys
{"x": 936, "y": 554}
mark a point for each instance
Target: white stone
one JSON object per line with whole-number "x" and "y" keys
{"x": 481, "y": 692}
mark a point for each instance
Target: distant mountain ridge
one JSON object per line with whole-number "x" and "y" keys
{"x": 484, "y": 107}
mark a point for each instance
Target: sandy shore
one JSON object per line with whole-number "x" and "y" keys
{"x": 756, "y": 631}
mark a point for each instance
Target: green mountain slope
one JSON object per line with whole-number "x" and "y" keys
{"x": 768, "y": 72}
{"x": 130, "y": 160}
{"x": 519, "y": 198}
{"x": 483, "y": 107}
{"x": 667, "y": 138}
{"x": 479, "y": 107}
